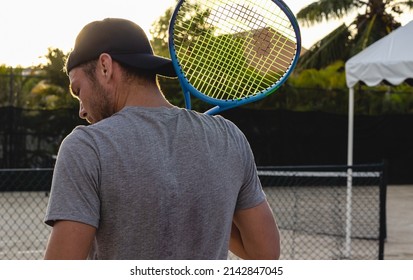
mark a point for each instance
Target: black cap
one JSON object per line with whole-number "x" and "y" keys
{"x": 126, "y": 43}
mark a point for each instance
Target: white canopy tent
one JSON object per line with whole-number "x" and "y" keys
{"x": 389, "y": 59}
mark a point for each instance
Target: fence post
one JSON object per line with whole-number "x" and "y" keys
{"x": 383, "y": 218}
{"x": 11, "y": 87}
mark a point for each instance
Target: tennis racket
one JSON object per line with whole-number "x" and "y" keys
{"x": 230, "y": 53}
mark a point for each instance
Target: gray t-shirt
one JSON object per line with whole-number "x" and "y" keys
{"x": 157, "y": 183}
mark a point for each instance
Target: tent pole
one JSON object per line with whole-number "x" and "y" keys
{"x": 350, "y": 127}
{"x": 347, "y": 252}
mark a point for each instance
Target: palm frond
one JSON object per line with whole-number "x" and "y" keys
{"x": 331, "y": 48}
{"x": 325, "y": 10}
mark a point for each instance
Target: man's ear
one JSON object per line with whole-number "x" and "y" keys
{"x": 105, "y": 65}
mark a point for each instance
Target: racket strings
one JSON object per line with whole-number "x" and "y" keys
{"x": 278, "y": 41}
{"x": 268, "y": 37}
{"x": 244, "y": 49}
{"x": 213, "y": 65}
{"x": 208, "y": 77}
{"x": 261, "y": 47}
{"x": 252, "y": 20}
{"x": 232, "y": 77}
{"x": 273, "y": 63}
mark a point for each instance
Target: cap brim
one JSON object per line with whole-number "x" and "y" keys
{"x": 157, "y": 64}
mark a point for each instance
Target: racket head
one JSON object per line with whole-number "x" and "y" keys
{"x": 229, "y": 53}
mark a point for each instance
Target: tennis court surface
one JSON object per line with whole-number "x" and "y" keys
{"x": 399, "y": 243}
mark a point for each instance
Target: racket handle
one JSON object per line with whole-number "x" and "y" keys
{"x": 187, "y": 98}
{"x": 187, "y": 95}
{"x": 213, "y": 111}
{"x": 218, "y": 109}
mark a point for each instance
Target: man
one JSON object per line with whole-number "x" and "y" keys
{"x": 148, "y": 180}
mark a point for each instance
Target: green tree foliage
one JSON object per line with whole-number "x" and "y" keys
{"x": 42, "y": 87}
{"x": 311, "y": 90}
{"x": 15, "y": 84}
{"x": 375, "y": 19}
{"x": 159, "y": 31}
{"x": 53, "y": 69}
{"x": 335, "y": 46}
{"x": 52, "y": 92}
{"x": 5, "y": 85}
{"x": 330, "y": 77}
{"x": 160, "y": 36}
{"x": 325, "y": 90}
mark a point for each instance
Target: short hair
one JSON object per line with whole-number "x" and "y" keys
{"x": 139, "y": 74}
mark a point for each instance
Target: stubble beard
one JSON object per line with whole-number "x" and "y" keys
{"x": 103, "y": 103}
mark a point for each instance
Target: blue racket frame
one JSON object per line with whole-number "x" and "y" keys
{"x": 222, "y": 105}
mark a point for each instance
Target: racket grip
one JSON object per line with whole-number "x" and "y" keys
{"x": 218, "y": 109}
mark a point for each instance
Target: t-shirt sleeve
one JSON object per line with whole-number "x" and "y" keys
{"x": 251, "y": 193}
{"x": 74, "y": 192}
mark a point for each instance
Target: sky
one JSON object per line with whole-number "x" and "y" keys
{"x": 29, "y": 27}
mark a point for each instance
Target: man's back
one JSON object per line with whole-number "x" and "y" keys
{"x": 157, "y": 183}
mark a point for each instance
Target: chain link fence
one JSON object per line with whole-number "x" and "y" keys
{"x": 328, "y": 212}
{"x": 323, "y": 212}
{"x": 23, "y": 202}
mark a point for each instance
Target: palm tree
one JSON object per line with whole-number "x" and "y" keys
{"x": 374, "y": 20}
{"x": 51, "y": 92}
